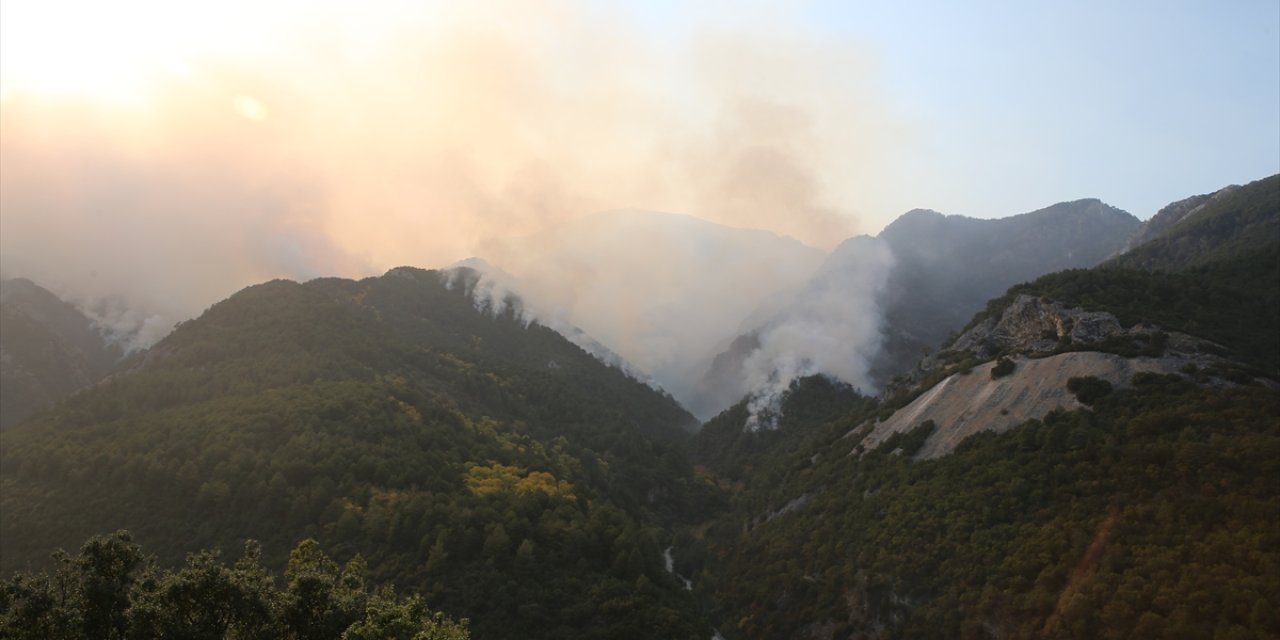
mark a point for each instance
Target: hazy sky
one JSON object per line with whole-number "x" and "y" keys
{"x": 1016, "y": 105}
{"x": 170, "y": 153}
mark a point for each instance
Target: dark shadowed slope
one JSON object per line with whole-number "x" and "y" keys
{"x": 48, "y": 350}
{"x": 492, "y": 465}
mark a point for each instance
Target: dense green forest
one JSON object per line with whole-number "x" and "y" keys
{"x": 489, "y": 465}
{"x": 111, "y": 590}
{"x": 458, "y": 460}
{"x": 1238, "y": 224}
{"x": 1150, "y": 515}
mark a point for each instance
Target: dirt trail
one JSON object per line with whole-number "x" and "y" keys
{"x": 1083, "y": 570}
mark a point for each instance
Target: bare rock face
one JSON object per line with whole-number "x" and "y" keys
{"x": 973, "y": 401}
{"x": 1050, "y": 343}
{"x": 1034, "y": 326}
{"x": 1037, "y": 326}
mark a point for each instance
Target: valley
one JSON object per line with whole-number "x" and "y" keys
{"x": 1093, "y": 455}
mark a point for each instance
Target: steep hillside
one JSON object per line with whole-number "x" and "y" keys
{"x": 947, "y": 267}
{"x": 658, "y": 289}
{"x": 1066, "y": 490}
{"x": 48, "y": 350}
{"x": 1098, "y": 523}
{"x": 488, "y": 464}
{"x": 829, "y": 325}
{"x": 1234, "y": 223}
{"x": 1169, "y": 215}
{"x": 1071, "y": 465}
{"x": 942, "y": 270}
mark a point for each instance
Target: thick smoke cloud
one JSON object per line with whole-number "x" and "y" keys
{"x": 662, "y": 290}
{"x": 832, "y": 327}
{"x": 376, "y": 136}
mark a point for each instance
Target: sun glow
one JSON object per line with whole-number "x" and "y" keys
{"x": 116, "y": 52}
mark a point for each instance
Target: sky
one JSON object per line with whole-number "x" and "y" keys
{"x": 157, "y": 156}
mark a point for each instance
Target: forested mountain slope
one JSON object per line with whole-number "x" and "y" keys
{"x": 48, "y": 350}
{"x": 943, "y": 270}
{"x": 1234, "y": 223}
{"x": 492, "y": 466}
{"x": 1149, "y": 515}
{"x": 1140, "y": 504}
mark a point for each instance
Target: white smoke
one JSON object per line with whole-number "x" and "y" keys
{"x": 496, "y": 292}
{"x": 832, "y": 327}
{"x": 661, "y": 290}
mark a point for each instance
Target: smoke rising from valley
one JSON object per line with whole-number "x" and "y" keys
{"x": 831, "y": 327}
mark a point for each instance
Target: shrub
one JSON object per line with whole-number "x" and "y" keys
{"x": 1004, "y": 366}
{"x": 1089, "y": 389}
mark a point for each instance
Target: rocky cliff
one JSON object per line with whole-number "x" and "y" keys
{"x": 1047, "y": 344}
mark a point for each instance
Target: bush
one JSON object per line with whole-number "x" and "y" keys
{"x": 1089, "y": 389}
{"x": 1004, "y": 366}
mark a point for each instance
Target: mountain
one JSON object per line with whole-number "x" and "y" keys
{"x": 941, "y": 271}
{"x": 1234, "y": 222}
{"x": 947, "y": 267}
{"x": 1170, "y": 215}
{"x": 496, "y": 291}
{"x": 482, "y": 461}
{"x": 830, "y": 324}
{"x": 660, "y": 290}
{"x": 1090, "y": 456}
{"x": 48, "y": 350}
{"x": 1070, "y": 465}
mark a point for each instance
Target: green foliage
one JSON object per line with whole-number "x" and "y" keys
{"x": 50, "y": 349}
{"x": 1241, "y": 223}
{"x": 1151, "y": 513}
{"x": 734, "y": 453}
{"x": 387, "y": 416}
{"x": 111, "y": 591}
{"x": 1233, "y": 302}
{"x": 947, "y": 267}
{"x": 907, "y": 443}
{"x": 1089, "y": 389}
{"x": 1004, "y": 366}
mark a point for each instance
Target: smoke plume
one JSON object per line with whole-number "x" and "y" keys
{"x": 305, "y": 140}
{"x": 832, "y": 327}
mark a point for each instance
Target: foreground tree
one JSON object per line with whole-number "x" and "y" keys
{"x": 110, "y": 590}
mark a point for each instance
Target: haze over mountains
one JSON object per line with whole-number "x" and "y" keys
{"x": 708, "y": 312}
{"x": 1053, "y": 470}
{"x": 48, "y": 350}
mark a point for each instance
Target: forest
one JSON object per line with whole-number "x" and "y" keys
{"x": 469, "y": 473}
{"x": 487, "y": 465}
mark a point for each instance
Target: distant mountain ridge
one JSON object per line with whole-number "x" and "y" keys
{"x": 944, "y": 269}
{"x": 1234, "y": 222}
{"x": 1053, "y": 472}
{"x": 658, "y": 289}
{"x": 949, "y": 266}
{"x": 48, "y": 350}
